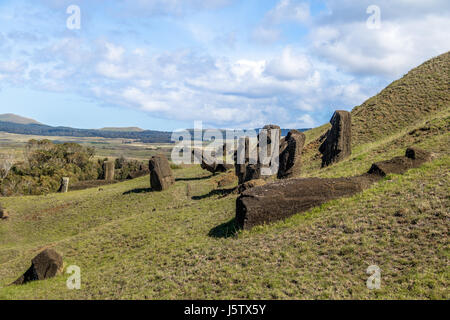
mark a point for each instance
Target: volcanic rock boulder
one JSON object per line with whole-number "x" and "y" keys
{"x": 161, "y": 176}
{"x": 338, "y": 140}
{"x": 281, "y": 199}
{"x": 64, "y": 185}
{"x": 108, "y": 167}
{"x": 290, "y": 154}
{"x": 45, "y": 265}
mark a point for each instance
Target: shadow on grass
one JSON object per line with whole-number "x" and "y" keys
{"x": 194, "y": 179}
{"x": 225, "y": 230}
{"x": 138, "y": 190}
{"x": 216, "y": 192}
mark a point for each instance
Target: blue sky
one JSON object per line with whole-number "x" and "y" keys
{"x": 163, "y": 64}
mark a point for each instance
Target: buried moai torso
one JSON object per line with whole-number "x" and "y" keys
{"x": 64, "y": 185}
{"x": 109, "y": 167}
{"x": 290, "y": 154}
{"x": 338, "y": 140}
{"x": 161, "y": 176}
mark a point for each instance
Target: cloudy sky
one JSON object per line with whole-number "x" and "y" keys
{"x": 163, "y": 64}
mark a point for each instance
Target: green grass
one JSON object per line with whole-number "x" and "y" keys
{"x": 135, "y": 244}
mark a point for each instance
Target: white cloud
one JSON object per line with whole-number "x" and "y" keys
{"x": 265, "y": 35}
{"x": 113, "y": 53}
{"x": 403, "y": 41}
{"x": 289, "y": 65}
{"x": 288, "y": 10}
{"x": 305, "y": 121}
{"x": 284, "y": 83}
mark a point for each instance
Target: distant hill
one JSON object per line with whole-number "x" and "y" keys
{"x": 147, "y": 136}
{"x": 14, "y": 118}
{"x": 122, "y": 129}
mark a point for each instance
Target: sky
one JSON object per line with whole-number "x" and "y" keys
{"x": 163, "y": 64}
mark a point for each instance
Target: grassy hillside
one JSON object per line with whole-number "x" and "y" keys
{"x": 10, "y": 117}
{"x": 422, "y": 92}
{"x": 180, "y": 244}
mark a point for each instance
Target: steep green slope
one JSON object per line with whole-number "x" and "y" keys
{"x": 132, "y": 243}
{"x": 421, "y": 92}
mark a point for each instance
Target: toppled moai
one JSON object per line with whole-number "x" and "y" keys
{"x": 290, "y": 154}
{"x": 281, "y": 199}
{"x": 209, "y": 164}
{"x": 64, "y": 185}
{"x": 337, "y": 142}
{"x": 161, "y": 176}
{"x": 47, "y": 264}
{"x": 108, "y": 167}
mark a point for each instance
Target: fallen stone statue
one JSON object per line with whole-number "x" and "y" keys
{"x": 47, "y": 264}
{"x": 281, "y": 199}
{"x": 209, "y": 163}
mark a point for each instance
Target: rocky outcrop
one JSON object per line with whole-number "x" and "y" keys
{"x": 337, "y": 142}
{"x": 290, "y": 154}
{"x": 161, "y": 176}
{"x": 47, "y": 264}
{"x": 281, "y": 199}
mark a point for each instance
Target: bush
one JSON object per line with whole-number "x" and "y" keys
{"x": 45, "y": 165}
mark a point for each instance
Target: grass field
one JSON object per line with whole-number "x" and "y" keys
{"x": 134, "y": 243}
{"x": 113, "y": 148}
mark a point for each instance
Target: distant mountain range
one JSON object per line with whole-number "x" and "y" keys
{"x": 123, "y": 129}
{"x": 16, "y": 124}
{"x": 14, "y": 118}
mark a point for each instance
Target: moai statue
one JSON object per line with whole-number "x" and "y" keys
{"x": 338, "y": 140}
{"x": 290, "y": 154}
{"x": 64, "y": 185}
{"x": 108, "y": 167}
{"x": 161, "y": 176}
